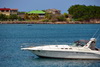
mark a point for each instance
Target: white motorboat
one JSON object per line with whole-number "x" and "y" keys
{"x": 76, "y": 51}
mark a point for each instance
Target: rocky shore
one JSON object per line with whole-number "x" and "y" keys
{"x": 58, "y": 22}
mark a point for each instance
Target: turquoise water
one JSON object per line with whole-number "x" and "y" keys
{"x": 13, "y": 36}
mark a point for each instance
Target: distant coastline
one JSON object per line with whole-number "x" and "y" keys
{"x": 58, "y": 22}
{"x": 77, "y": 14}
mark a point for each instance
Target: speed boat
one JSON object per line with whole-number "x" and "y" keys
{"x": 79, "y": 50}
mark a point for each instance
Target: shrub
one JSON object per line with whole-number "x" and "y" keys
{"x": 45, "y": 20}
{"x": 61, "y": 18}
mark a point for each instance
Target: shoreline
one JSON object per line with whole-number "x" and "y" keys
{"x": 58, "y": 22}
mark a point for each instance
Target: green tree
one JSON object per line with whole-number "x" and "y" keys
{"x": 48, "y": 16}
{"x": 26, "y": 16}
{"x": 82, "y": 12}
{"x": 66, "y": 15}
{"x": 61, "y": 18}
{"x": 33, "y": 16}
{"x": 36, "y": 16}
{"x": 19, "y": 18}
{"x": 21, "y": 12}
{"x": 3, "y": 17}
{"x": 13, "y": 17}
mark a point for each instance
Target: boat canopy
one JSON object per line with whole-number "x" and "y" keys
{"x": 80, "y": 43}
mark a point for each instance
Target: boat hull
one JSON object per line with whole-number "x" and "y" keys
{"x": 66, "y": 54}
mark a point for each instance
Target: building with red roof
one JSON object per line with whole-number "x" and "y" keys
{"x": 8, "y": 11}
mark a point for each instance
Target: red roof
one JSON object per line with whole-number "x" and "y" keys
{"x": 7, "y": 9}
{"x": 4, "y": 8}
{"x": 13, "y": 9}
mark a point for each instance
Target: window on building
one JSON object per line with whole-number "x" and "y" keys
{"x": 14, "y": 11}
{"x": 2, "y": 10}
{"x": 7, "y": 10}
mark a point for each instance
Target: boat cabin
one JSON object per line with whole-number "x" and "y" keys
{"x": 82, "y": 43}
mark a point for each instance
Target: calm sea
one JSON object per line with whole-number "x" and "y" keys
{"x": 15, "y": 36}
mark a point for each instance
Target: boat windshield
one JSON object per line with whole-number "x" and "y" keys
{"x": 80, "y": 43}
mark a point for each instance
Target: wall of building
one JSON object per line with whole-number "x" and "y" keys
{"x": 8, "y": 11}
